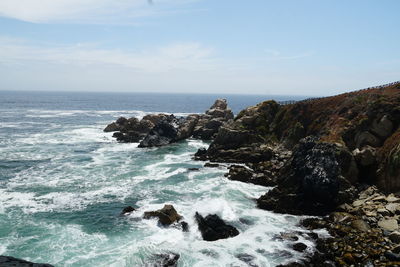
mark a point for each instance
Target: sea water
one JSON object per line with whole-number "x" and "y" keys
{"x": 64, "y": 183}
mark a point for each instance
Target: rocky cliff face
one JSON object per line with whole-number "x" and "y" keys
{"x": 364, "y": 124}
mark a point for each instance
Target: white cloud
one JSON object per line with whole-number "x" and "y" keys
{"x": 186, "y": 56}
{"x": 85, "y": 11}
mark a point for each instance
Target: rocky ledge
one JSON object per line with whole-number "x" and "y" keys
{"x": 6, "y": 261}
{"x": 162, "y": 129}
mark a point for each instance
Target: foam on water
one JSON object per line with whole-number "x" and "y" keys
{"x": 61, "y": 203}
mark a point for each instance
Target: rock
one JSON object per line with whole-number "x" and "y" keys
{"x": 185, "y": 226}
{"x": 247, "y": 258}
{"x": 395, "y": 237}
{"x": 366, "y": 156}
{"x": 208, "y": 125}
{"x": 366, "y": 138}
{"x": 7, "y": 261}
{"x": 127, "y": 210}
{"x": 360, "y": 225}
{"x": 300, "y": 247}
{"x": 310, "y": 183}
{"x": 348, "y": 258}
{"x": 211, "y": 165}
{"x": 193, "y": 169}
{"x": 164, "y": 260}
{"x": 163, "y": 133}
{"x": 388, "y": 224}
{"x": 392, "y": 256}
{"x": 340, "y": 217}
{"x": 243, "y": 174}
{"x": 396, "y": 249}
{"x": 112, "y": 127}
{"x": 167, "y": 215}
{"x": 383, "y": 127}
{"x": 286, "y": 237}
{"x": 213, "y": 228}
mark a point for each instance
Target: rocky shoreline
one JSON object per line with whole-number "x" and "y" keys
{"x": 336, "y": 159}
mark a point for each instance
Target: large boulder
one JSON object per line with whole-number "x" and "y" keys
{"x": 166, "y": 216}
{"x": 213, "y": 227}
{"x": 246, "y": 175}
{"x": 311, "y": 183}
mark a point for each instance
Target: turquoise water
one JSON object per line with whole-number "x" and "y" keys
{"x": 63, "y": 183}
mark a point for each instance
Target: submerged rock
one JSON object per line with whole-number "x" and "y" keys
{"x": 7, "y": 261}
{"x": 213, "y": 227}
{"x": 164, "y": 260}
{"x": 167, "y": 215}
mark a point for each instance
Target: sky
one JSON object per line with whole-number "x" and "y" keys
{"x": 285, "y": 47}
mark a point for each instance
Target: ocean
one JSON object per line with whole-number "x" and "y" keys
{"x": 64, "y": 182}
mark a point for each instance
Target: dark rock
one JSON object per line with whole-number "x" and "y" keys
{"x": 392, "y": 256}
{"x": 201, "y": 154}
{"x": 211, "y": 165}
{"x": 128, "y": 209}
{"x": 164, "y": 260}
{"x": 193, "y": 169}
{"x": 213, "y": 228}
{"x": 112, "y": 127}
{"x": 167, "y": 215}
{"x": 208, "y": 124}
{"x": 185, "y": 226}
{"x": 300, "y": 247}
{"x": 243, "y": 174}
{"x": 311, "y": 183}
{"x": 247, "y": 258}
{"x": 7, "y": 261}
{"x": 163, "y": 133}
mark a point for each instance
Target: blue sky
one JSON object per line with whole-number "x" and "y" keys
{"x": 303, "y": 47}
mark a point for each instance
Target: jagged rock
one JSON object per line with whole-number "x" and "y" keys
{"x": 392, "y": 256}
{"x": 167, "y": 215}
{"x": 127, "y": 210}
{"x": 243, "y": 174}
{"x": 311, "y": 183}
{"x": 7, "y": 261}
{"x": 163, "y": 133}
{"x": 213, "y": 228}
{"x": 112, "y": 127}
{"x": 208, "y": 124}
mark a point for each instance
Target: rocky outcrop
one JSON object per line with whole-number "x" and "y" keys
{"x": 213, "y": 227}
{"x": 132, "y": 130}
{"x": 312, "y": 182}
{"x": 7, "y": 261}
{"x": 166, "y": 216}
{"x": 162, "y": 129}
{"x": 209, "y": 123}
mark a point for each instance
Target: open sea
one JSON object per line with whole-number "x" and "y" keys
{"x": 64, "y": 182}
